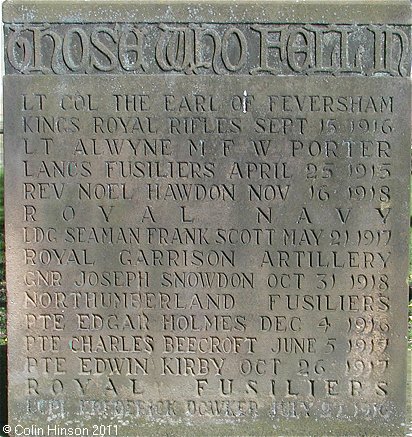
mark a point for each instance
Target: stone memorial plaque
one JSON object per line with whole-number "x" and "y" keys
{"x": 207, "y": 217}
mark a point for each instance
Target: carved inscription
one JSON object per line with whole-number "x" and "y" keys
{"x": 195, "y": 249}
{"x": 208, "y": 49}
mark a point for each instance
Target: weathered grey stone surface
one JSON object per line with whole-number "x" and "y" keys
{"x": 207, "y": 217}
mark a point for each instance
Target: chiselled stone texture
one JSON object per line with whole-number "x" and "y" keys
{"x": 221, "y": 49}
{"x": 207, "y": 217}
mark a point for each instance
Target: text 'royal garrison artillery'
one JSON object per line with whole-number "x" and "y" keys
{"x": 207, "y": 217}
